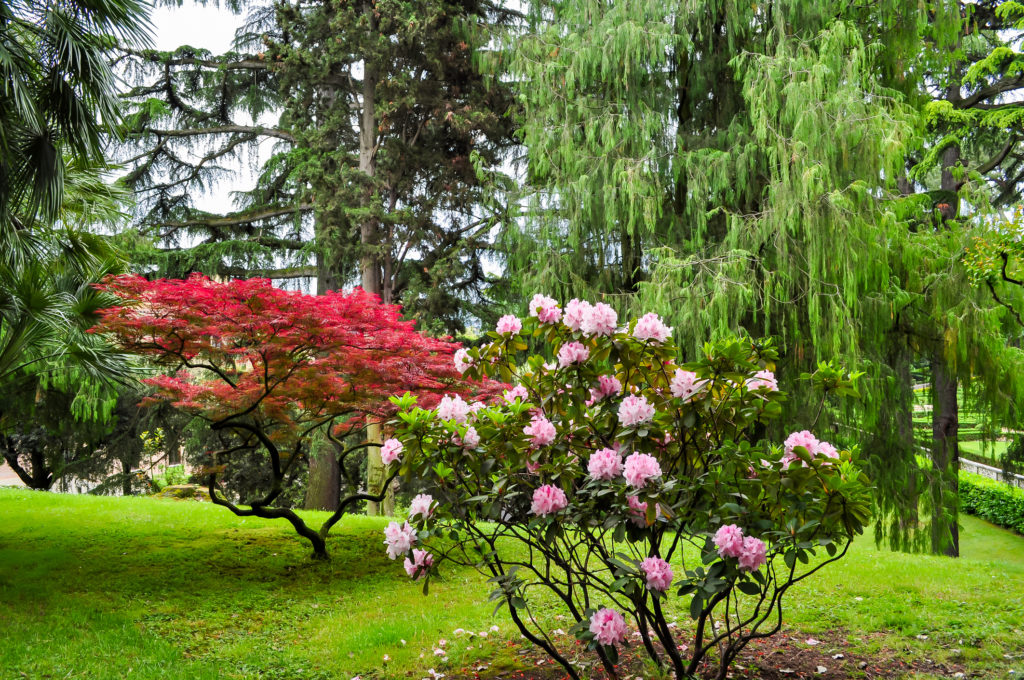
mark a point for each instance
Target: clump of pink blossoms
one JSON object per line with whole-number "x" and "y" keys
{"x": 729, "y": 540}
{"x": 517, "y": 392}
{"x": 651, "y": 327}
{"x": 575, "y": 310}
{"x": 509, "y": 325}
{"x": 685, "y": 385}
{"x": 635, "y": 410}
{"x": 421, "y": 505}
{"x": 605, "y": 464}
{"x": 763, "y": 380}
{"x": 453, "y": 408}
{"x": 545, "y": 309}
{"x": 753, "y": 554}
{"x": 599, "y": 319}
{"x": 639, "y": 468}
{"x": 471, "y": 440}
{"x": 419, "y": 565}
{"x": 547, "y": 500}
{"x": 399, "y": 538}
{"x": 572, "y": 353}
{"x": 541, "y": 431}
{"x": 637, "y": 511}
{"x": 390, "y": 451}
{"x": 607, "y": 385}
{"x": 463, "y": 361}
{"x": 657, "y": 572}
{"x": 608, "y": 626}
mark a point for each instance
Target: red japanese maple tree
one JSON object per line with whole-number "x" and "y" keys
{"x": 269, "y": 367}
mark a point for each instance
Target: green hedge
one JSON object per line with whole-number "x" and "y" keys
{"x": 992, "y": 501}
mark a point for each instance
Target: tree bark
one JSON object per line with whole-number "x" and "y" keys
{"x": 323, "y": 488}
{"x": 945, "y": 461}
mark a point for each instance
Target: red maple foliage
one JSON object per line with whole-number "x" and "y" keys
{"x": 272, "y": 366}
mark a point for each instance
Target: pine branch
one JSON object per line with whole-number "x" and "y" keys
{"x": 224, "y": 129}
{"x": 246, "y": 63}
{"x": 1001, "y": 86}
{"x": 238, "y": 218}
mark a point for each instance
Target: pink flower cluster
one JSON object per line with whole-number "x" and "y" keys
{"x": 399, "y": 539}
{"x": 635, "y": 410}
{"x": 421, "y": 505}
{"x": 637, "y": 511}
{"x": 419, "y": 565}
{"x": 462, "y": 360}
{"x": 639, "y": 468}
{"x": 509, "y": 325}
{"x": 453, "y": 408}
{"x": 471, "y": 440}
{"x": 607, "y": 385}
{"x": 547, "y": 500}
{"x": 657, "y": 572}
{"x": 541, "y": 431}
{"x": 605, "y": 464}
{"x": 651, "y": 327}
{"x": 572, "y": 353}
{"x": 685, "y": 385}
{"x": 545, "y": 309}
{"x": 599, "y": 319}
{"x": 751, "y": 552}
{"x": 808, "y": 441}
{"x": 575, "y": 310}
{"x": 391, "y": 451}
{"x": 763, "y": 380}
{"x": 608, "y": 626}
{"x": 517, "y": 392}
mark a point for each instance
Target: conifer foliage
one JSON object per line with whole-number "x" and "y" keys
{"x": 268, "y": 368}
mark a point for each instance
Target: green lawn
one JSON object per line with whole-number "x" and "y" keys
{"x": 141, "y": 588}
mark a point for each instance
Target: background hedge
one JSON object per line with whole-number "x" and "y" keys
{"x": 993, "y": 501}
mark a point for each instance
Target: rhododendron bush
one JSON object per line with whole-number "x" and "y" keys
{"x": 627, "y": 487}
{"x": 269, "y": 368}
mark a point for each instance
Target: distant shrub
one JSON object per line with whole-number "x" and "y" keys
{"x": 992, "y": 501}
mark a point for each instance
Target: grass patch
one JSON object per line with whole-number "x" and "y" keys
{"x": 141, "y": 588}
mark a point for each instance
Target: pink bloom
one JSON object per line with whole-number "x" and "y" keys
{"x": 545, "y": 309}
{"x": 421, "y": 505}
{"x": 600, "y": 319}
{"x": 685, "y": 385}
{"x": 729, "y": 540}
{"x": 605, "y": 464}
{"x": 657, "y": 572}
{"x": 574, "y": 313}
{"x": 547, "y": 500}
{"x": 509, "y": 324}
{"x": 803, "y": 438}
{"x": 541, "y": 431}
{"x": 753, "y": 554}
{"x": 390, "y": 451}
{"x": 608, "y": 626}
{"x": 635, "y": 410}
{"x": 572, "y": 353}
{"x": 763, "y": 380}
{"x": 532, "y": 467}
{"x": 827, "y": 450}
{"x": 651, "y": 327}
{"x": 462, "y": 360}
{"x": 639, "y": 468}
{"x": 637, "y": 511}
{"x": 517, "y": 392}
{"x": 453, "y": 409}
{"x": 420, "y": 563}
{"x": 607, "y": 385}
{"x": 471, "y": 440}
{"x": 399, "y": 539}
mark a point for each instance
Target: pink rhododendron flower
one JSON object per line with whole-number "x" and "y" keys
{"x": 471, "y": 440}
{"x": 685, "y": 385}
{"x": 657, "y": 572}
{"x": 729, "y": 540}
{"x": 548, "y": 500}
{"x": 517, "y": 392}
{"x": 651, "y": 327}
{"x": 608, "y": 626}
{"x": 639, "y": 468}
{"x": 462, "y": 360}
{"x": 399, "y": 538}
{"x": 453, "y": 408}
{"x": 607, "y": 385}
{"x": 541, "y": 431}
{"x": 827, "y": 450}
{"x": 545, "y": 309}
{"x": 509, "y": 324}
{"x": 421, "y": 505}
{"x": 390, "y": 451}
{"x": 753, "y": 554}
{"x": 605, "y": 464}
{"x": 803, "y": 438}
{"x": 574, "y": 313}
{"x": 763, "y": 380}
{"x": 635, "y": 410}
{"x": 532, "y": 467}
{"x": 572, "y": 353}
{"x": 637, "y": 511}
{"x": 599, "y": 319}
{"x": 420, "y": 563}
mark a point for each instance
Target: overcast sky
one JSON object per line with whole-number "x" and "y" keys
{"x": 190, "y": 24}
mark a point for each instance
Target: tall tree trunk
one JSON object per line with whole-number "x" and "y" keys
{"x": 945, "y": 460}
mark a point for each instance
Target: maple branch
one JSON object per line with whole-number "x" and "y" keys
{"x": 355, "y": 498}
